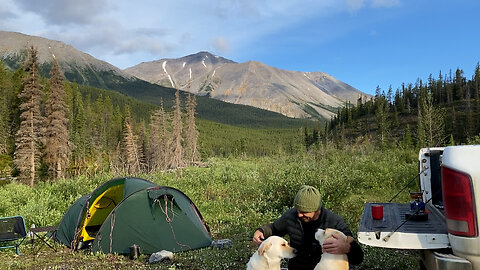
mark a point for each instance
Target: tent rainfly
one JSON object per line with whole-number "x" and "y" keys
{"x": 127, "y": 211}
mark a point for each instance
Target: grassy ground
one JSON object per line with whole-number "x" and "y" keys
{"x": 235, "y": 196}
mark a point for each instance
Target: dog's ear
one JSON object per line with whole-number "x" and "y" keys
{"x": 330, "y": 231}
{"x": 264, "y": 248}
{"x": 339, "y": 235}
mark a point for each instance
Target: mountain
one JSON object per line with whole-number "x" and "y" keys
{"x": 291, "y": 93}
{"x": 76, "y": 65}
{"x": 87, "y": 70}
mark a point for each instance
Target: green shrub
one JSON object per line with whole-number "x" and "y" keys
{"x": 236, "y": 195}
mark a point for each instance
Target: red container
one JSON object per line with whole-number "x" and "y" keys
{"x": 377, "y": 211}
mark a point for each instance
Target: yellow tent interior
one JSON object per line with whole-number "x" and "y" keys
{"x": 99, "y": 210}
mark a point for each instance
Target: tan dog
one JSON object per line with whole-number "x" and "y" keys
{"x": 331, "y": 261}
{"x": 270, "y": 254}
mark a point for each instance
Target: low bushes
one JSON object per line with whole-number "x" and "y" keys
{"x": 235, "y": 196}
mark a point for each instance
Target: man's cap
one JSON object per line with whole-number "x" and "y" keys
{"x": 307, "y": 199}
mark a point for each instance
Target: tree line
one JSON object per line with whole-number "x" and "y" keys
{"x": 438, "y": 112}
{"x": 50, "y": 130}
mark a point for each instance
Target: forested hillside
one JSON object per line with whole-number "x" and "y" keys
{"x": 436, "y": 112}
{"x": 93, "y": 130}
{"x": 83, "y": 69}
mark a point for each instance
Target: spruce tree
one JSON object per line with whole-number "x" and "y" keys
{"x": 29, "y": 134}
{"x": 476, "y": 96}
{"x": 407, "y": 138}
{"x": 431, "y": 122}
{"x": 469, "y": 121}
{"x": 5, "y": 90}
{"x": 57, "y": 147}
{"x": 459, "y": 85}
{"x": 78, "y": 127}
{"x": 381, "y": 117}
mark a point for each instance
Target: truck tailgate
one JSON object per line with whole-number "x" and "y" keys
{"x": 390, "y": 233}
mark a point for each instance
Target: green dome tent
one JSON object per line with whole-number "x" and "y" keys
{"x": 157, "y": 218}
{"x": 85, "y": 216}
{"x": 126, "y": 211}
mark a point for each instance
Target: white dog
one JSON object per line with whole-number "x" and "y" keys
{"x": 270, "y": 254}
{"x": 331, "y": 261}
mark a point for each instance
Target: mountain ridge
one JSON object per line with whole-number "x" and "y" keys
{"x": 291, "y": 93}
{"x": 294, "y": 94}
{"x": 99, "y": 74}
{"x": 13, "y": 46}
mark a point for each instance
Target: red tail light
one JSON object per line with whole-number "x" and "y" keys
{"x": 459, "y": 203}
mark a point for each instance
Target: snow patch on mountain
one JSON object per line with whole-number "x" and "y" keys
{"x": 164, "y": 66}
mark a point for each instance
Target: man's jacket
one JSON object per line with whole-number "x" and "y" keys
{"x": 309, "y": 252}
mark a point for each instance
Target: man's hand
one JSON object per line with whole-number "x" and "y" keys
{"x": 258, "y": 237}
{"x": 337, "y": 245}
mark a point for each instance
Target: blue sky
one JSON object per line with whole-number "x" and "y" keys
{"x": 364, "y": 43}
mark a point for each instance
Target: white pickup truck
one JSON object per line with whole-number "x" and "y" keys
{"x": 445, "y": 231}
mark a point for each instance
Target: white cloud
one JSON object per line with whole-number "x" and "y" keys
{"x": 354, "y": 5}
{"x": 5, "y": 11}
{"x": 61, "y": 12}
{"x": 114, "y": 29}
{"x": 386, "y": 3}
{"x": 221, "y": 44}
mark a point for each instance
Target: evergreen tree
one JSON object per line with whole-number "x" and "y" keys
{"x": 111, "y": 127}
{"x": 381, "y": 117}
{"x": 5, "y": 90}
{"x": 98, "y": 127}
{"x": 18, "y": 78}
{"x": 459, "y": 85}
{"x": 390, "y": 94}
{"x": 407, "y": 138}
{"x": 476, "y": 96}
{"x": 431, "y": 128}
{"x": 440, "y": 91}
{"x": 398, "y": 103}
{"x": 469, "y": 122}
{"x": 78, "y": 125}
{"x": 30, "y": 132}
{"x": 476, "y": 81}
{"x": 421, "y": 135}
{"x": 449, "y": 93}
{"x": 57, "y": 147}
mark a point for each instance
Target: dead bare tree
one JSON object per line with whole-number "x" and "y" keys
{"x": 157, "y": 143}
{"x": 130, "y": 148}
{"x": 191, "y": 146}
{"x": 176, "y": 150}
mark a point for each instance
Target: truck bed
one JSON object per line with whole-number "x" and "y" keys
{"x": 390, "y": 233}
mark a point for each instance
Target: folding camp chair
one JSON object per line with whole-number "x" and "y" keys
{"x": 43, "y": 233}
{"x": 12, "y": 230}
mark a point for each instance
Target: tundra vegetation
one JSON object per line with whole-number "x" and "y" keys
{"x": 238, "y": 176}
